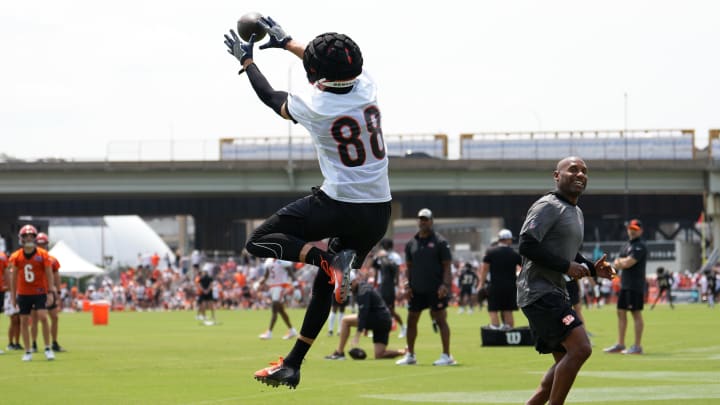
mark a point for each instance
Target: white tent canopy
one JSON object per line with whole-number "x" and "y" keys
{"x": 71, "y": 264}
{"x": 121, "y": 240}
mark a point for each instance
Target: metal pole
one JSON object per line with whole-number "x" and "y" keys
{"x": 290, "y": 167}
{"x": 626, "y": 194}
{"x": 102, "y": 242}
{"x": 289, "y": 122}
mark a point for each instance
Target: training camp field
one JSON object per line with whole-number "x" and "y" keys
{"x": 170, "y": 358}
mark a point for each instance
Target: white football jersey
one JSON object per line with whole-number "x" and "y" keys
{"x": 347, "y": 134}
{"x": 278, "y": 273}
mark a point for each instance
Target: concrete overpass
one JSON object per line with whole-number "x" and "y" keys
{"x": 221, "y": 195}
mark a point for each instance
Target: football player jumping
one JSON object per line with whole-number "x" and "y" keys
{"x": 352, "y": 207}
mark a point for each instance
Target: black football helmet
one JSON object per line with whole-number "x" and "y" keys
{"x": 332, "y": 57}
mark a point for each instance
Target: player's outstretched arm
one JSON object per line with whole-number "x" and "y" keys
{"x": 279, "y": 38}
{"x": 243, "y": 52}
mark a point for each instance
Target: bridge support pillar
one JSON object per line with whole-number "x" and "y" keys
{"x": 396, "y": 214}
{"x": 182, "y": 235}
{"x": 713, "y": 216}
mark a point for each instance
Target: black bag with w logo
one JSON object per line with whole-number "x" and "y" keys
{"x": 521, "y": 336}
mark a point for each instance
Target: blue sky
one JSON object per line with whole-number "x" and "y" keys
{"x": 78, "y": 78}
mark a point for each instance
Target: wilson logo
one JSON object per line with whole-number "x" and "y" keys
{"x": 513, "y": 338}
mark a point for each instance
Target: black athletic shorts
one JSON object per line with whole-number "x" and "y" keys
{"x": 574, "y": 291}
{"x": 551, "y": 319}
{"x": 205, "y": 297}
{"x": 27, "y": 303}
{"x": 465, "y": 291}
{"x": 339, "y": 306}
{"x": 381, "y": 329}
{"x": 421, "y": 301}
{"x": 357, "y": 226}
{"x": 502, "y": 299}
{"x": 389, "y": 301}
{"x": 630, "y": 300}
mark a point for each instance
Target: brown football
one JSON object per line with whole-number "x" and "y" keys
{"x": 248, "y": 25}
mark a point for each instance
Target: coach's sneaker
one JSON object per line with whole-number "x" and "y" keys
{"x": 445, "y": 360}
{"x": 279, "y": 374}
{"x": 49, "y": 354}
{"x": 27, "y": 356}
{"x": 266, "y": 336}
{"x": 341, "y": 264}
{"x": 407, "y": 360}
{"x": 616, "y": 348}
{"x": 57, "y": 348}
{"x": 290, "y": 334}
{"x": 335, "y": 356}
{"x": 633, "y": 350}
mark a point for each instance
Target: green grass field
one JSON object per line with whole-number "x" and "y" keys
{"x": 170, "y": 358}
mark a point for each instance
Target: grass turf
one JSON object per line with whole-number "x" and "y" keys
{"x": 170, "y": 358}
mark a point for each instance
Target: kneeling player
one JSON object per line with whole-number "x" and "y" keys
{"x": 373, "y": 315}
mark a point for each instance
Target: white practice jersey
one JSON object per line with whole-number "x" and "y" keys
{"x": 347, "y": 134}
{"x": 278, "y": 273}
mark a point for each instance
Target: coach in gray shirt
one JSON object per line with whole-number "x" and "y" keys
{"x": 550, "y": 241}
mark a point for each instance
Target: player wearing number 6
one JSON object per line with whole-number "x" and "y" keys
{"x": 352, "y": 207}
{"x": 30, "y": 282}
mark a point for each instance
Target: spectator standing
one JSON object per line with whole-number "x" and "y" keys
{"x": 428, "y": 260}
{"x": 503, "y": 263}
{"x": 631, "y": 262}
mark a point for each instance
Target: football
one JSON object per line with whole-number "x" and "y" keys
{"x": 248, "y": 25}
{"x": 357, "y": 353}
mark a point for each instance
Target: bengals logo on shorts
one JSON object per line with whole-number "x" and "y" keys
{"x": 567, "y": 320}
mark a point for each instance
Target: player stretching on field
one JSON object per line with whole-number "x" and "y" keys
{"x": 352, "y": 207}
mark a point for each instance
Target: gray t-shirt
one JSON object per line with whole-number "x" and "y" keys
{"x": 559, "y": 227}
